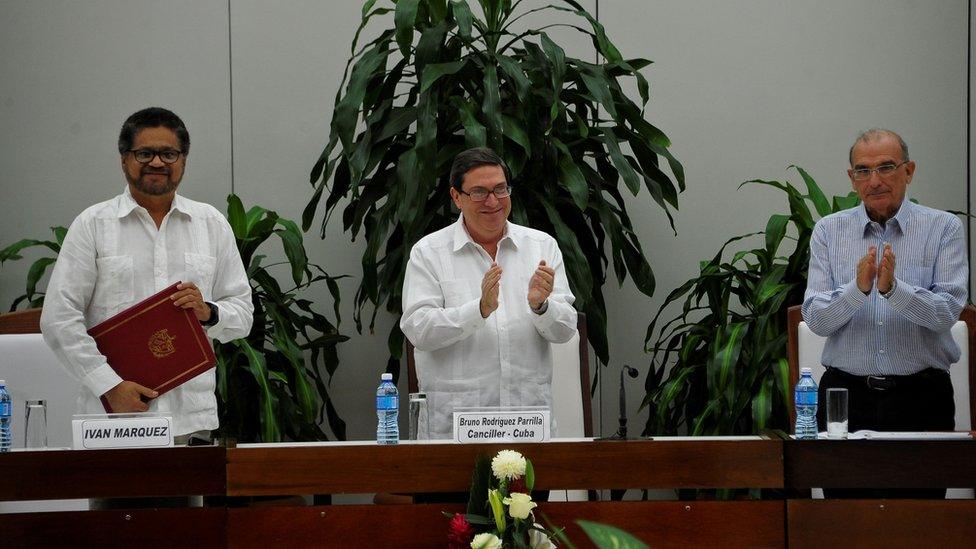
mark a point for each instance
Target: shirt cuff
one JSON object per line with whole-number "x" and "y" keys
{"x": 901, "y": 296}
{"x": 470, "y": 315}
{"x": 853, "y": 296}
{"x": 101, "y": 380}
{"x": 543, "y": 320}
{"x": 218, "y": 326}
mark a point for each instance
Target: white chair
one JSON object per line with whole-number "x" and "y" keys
{"x": 809, "y": 349}
{"x": 33, "y": 372}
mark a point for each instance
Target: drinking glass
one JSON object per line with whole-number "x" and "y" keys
{"x": 35, "y": 430}
{"x": 837, "y": 413}
{"x": 419, "y": 417}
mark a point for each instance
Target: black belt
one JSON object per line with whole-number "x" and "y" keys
{"x": 885, "y": 383}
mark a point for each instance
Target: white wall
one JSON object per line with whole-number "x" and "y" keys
{"x": 743, "y": 89}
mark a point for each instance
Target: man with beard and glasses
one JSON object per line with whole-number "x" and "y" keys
{"x": 123, "y": 250}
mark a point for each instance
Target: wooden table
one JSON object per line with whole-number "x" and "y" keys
{"x": 264, "y": 470}
{"x": 113, "y": 474}
{"x": 880, "y": 464}
{"x": 408, "y": 468}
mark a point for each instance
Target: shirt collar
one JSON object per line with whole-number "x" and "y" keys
{"x": 127, "y": 204}
{"x": 462, "y": 238}
{"x": 901, "y": 219}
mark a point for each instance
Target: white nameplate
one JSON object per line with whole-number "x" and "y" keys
{"x": 122, "y": 432}
{"x": 498, "y": 426}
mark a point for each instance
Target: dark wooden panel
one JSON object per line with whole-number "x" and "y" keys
{"x": 198, "y": 527}
{"x": 447, "y": 467}
{"x": 27, "y": 321}
{"x": 70, "y": 474}
{"x": 880, "y": 463}
{"x": 659, "y": 523}
{"x": 881, "y": 523}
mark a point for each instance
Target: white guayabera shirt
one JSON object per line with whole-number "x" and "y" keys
{"x": 114, "y": 257}
{"x": 463, "y": 359}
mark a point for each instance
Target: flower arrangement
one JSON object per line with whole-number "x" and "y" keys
{"x": 500, "y": 507}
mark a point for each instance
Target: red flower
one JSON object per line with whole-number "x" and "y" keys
{"x": 517, "y": 485}
{"x": 460, "y": 532}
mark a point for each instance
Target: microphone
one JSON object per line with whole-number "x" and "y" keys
{"x": 622, "y": 429}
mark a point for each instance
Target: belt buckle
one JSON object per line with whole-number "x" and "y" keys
{"x": 880, "y": 379}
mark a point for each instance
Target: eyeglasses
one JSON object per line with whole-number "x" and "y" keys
{"x": 884, "y": 170}
{"x": 480, "y": 194}
{"x": 145, "y": 156}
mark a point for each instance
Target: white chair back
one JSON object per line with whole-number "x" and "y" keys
{"x": 567, "y": 402}
{"x": 810, "y": 348}
{"x": 33, "y": 372}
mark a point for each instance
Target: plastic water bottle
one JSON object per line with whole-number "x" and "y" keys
{"x": 805, "y": 399}
{"x": 387, "y": 410}
{"x": 6, "y": 438}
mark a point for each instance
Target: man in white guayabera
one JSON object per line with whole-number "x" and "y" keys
{"x": 483, "y": 299}
{"x": 123, "y": 250}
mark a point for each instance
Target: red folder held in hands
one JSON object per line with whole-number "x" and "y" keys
{"x": 155, "y": 344}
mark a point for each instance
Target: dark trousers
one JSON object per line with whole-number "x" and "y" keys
{"x": 919, "y": 402}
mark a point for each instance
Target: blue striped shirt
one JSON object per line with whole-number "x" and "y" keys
{"x": 909, "y": 331}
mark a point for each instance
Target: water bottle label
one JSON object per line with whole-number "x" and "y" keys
{"x": 808, "y": 398}
{"x": 5, "y": 409}
{"x": 388, "y": 402}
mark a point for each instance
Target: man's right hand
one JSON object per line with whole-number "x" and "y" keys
{"x": 489, "y": 290}
{"x": 127, "y": 397}
{"x": 867, "y": 270}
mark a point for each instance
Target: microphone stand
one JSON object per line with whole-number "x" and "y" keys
{"x": 621, "y": 433}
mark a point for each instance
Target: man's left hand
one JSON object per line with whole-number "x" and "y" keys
{"x": 540, "y": 285}
{"x": 886, "y": 271}
{"x": 188, "y": 296}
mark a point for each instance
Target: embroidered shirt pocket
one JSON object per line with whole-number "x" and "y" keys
{"x": 458, "y": 292}
{"x": 114, "y": 285}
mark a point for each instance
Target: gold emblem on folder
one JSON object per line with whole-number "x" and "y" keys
{"x": 161, "y": 344}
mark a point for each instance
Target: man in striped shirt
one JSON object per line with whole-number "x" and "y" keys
{"x": 887, "y": 281}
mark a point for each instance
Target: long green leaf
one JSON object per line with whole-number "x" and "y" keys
{"x": 814, "y": 192}
{"x": 605, "y": 536}
{"x": 434, "y": 71}
{"x": 404, "y": 18}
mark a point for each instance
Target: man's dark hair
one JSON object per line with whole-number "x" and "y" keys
{"x": 470, "y": 159}
{"x": 153, "y": 117}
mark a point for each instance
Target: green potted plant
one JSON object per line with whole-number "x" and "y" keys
{"x": 719, "y": 367}
{"x": 440, "y": 78}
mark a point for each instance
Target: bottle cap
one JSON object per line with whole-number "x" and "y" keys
{"x": 387, "y": 377}
{"x": 3, "y": 382}
{"x": 806, "y": 370}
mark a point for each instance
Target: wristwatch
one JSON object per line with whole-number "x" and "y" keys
{"x": 542, "y": 308}
{"x": 889, "y": 293}
{"x": 214, "y": 315}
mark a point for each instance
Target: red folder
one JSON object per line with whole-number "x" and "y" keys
{"x": 155, "y": 344}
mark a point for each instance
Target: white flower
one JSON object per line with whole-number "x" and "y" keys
{"x": 539, "y": 540}
{"x": 519, "y": 505}
{"x": 508, "y": 465}
{"x": 486, "y": 541}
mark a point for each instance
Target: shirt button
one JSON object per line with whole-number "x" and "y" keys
{"x": 881, "y": 323}
{"x": 881, "y": 351}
